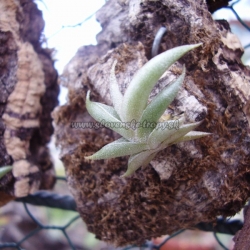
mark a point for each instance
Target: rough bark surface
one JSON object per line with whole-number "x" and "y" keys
{"x": 241, "y": 239}
{"x": 187, "y": 183}
{"x": 28, "y": 94}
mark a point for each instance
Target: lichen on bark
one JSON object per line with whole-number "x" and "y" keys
{"x": 187, "y": 183}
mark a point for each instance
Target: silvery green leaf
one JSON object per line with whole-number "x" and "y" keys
{"x": 5, "y": 170}
{"x": 116, "y": 95}
{"x": 107, "y": 116}
{"x": 192, "y": 135}
{"x": 117, "y": 149}
{"x": 159, "y": 104}
{"x": 109, "y": 109}
{"x": 163, "y": 131}
{"x": 136, "y": 161}
{"x": 149, "y": 159}
{"x": 120, "y": 140}
{"x": 137, "y": 93}
{"x": 184, "y": 129}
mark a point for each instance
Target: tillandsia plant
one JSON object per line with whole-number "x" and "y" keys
{"x": 139, "y": 123}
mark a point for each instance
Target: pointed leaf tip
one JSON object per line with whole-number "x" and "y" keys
{"x": 146, "y": 78}
{"x": 183, "y": 130}
{"x": 192, "y": 135}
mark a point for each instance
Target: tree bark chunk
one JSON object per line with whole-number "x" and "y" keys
{"x": 186, "y": 183}
{"x": 28, "y": 94}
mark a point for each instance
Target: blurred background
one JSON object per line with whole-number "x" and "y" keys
{"x": 68, "y": 26}
{"x": 72, "y": 24}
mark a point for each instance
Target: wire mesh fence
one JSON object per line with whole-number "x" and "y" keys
{"x": 67, "y": 203}
{"x": 243, "y": 23}
{"x": 40, "y": 226}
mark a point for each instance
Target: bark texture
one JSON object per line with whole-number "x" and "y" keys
{"x": 28, "y": 94}
{"x": 241, "y": 239}
{"x": 187, "y": 183}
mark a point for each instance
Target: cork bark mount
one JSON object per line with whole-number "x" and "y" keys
{"x": 187, "y": 183}
{"x": 28, "y": 95}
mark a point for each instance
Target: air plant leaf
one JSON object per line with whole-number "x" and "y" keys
{"x": 136, "y": 161}
{"x": 5, "y": 170}
{"x": 117, "y": 149}
{"x": 144, "y": 141}
{"x": 116, "y": 95}
{"x": 104, "y": 113}
{"x": 159, "y": 104}
{"x": 146, "y": 78}
{"x": 120, "y": 140}
{"x": 192, "y": 135}
{"x": 184, "y": 129}
{"x": 149, "y": 159}
{"x": 108, "y": 109}
{"x": 164, "y": 131}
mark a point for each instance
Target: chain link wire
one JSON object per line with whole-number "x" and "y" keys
{"x": 66, "y": 202}
{"x": 231, "y": 7}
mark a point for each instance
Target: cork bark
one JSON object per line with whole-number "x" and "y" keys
{"x": 241, "y": 239}
{"x": 28, "y": 94}
{"x": 186, "y": 183}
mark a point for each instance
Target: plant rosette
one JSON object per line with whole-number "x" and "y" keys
{"x": 142, "y": 127}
